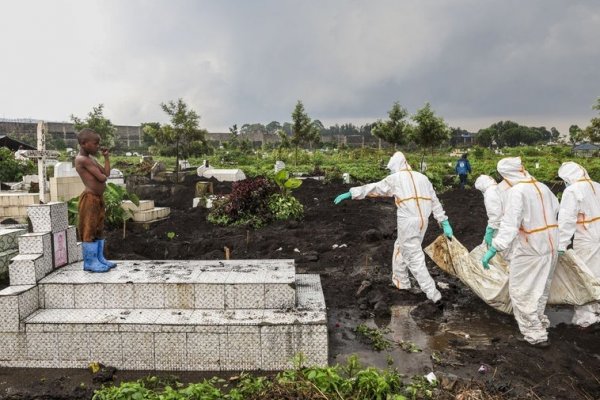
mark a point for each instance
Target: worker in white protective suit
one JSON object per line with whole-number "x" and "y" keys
{"x": 503, "y": 188}
{"x": 530, "y": 226}
{"x": 493, "y": 205}
{"x": 415, "y": 200}
{"x": 579, "y": 218}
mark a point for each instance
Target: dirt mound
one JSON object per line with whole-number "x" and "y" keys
{"x": 350, "y": 245}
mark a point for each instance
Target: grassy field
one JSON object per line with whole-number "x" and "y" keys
{"x": 367, "y": 165}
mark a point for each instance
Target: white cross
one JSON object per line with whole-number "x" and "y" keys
{"x": 41, "y": 155}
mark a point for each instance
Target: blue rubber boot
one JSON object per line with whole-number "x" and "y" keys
{"x": 90, "y": 258}
{"x": 101, "y": 255}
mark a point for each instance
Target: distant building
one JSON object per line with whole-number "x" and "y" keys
{"x": 127, "y": 136}
{"x": 462, "y": 138}
{"x": 586, "y": 150}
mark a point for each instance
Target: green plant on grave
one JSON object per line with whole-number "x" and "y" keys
{"x": 333, "y": 174}
{"x": 349, "y": 381}
{"x": 375, "y": 337}
{"x": 116, "y": 215}
{"x": 284, "y": 205}
{"x": 170, "y": 235}
{"x": 73, "y": 211}
{"x": 285, "y": 183}
{"x": 247, "y": 204}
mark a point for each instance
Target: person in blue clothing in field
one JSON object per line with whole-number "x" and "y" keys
{"x": 463, "y": 168}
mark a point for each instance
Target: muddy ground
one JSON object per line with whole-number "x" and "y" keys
{"x": 464, "y": 338}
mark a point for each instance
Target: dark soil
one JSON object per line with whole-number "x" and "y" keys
{"x": 569, "y": 369}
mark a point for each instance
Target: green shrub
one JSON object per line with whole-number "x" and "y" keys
{"x": 332, "y": 174}
{"x": 348, "y": 381}
{"x": 248, "y": 204}
{"x": 116, "y": 215}
{"x": 218, "y": 213}
{"x": 12, "y": 170}
{"x": 285, "y": 207}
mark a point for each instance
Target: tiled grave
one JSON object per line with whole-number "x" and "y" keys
{"x": 146, "y": 211}
{"x": 154, "y": 315}
{"x": 9, "y": 247}
{"x": 174, "y": 339}
{"x": 184, "y": 284}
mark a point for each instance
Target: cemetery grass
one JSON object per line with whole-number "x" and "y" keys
{"x": 350, "y": 245}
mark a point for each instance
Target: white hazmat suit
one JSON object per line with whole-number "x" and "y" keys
{"x": 503, "y": 188}
{"x": 415, "y": 200}
{"x": 530, "y": 226}
{"x": 491, "y": 198}
{"x": 579, "y": 215}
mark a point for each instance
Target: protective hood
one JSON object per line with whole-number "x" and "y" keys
{"x": 571, "y": 172}
{"x": 484, "y": 182}
{"x": 398, "y": 162}
{"x": 511, "y": 169}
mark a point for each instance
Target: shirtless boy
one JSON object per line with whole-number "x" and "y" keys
{"x": 91, "y": 202}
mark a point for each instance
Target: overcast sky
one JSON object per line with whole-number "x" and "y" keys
{"x": 536, "y": 62}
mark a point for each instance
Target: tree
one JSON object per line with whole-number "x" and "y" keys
{"x": 555, "y": 134}
{"x": 12, "y": 170}
{"x": 287, "y": 128}
{"x": 314, "y": 136}
{"x": 249, "y": 129}
{"x": 592, "y": 131}
{"x": 183, "y": 134}
{"x": 284, "y": 142}
{"x": 273, "y": 127}
{"x": 303, "y": 129}
{"x": 394, "y": 130}
{"x": 147, "y": 139}
{"x": 101, "y": 125}
{"x": 575, "y": 134}
{"x": 485, "y": 137}
{"x": 319, "y": 125}
{"x": 430, "y": 130}
{"x": 234, "y": 139}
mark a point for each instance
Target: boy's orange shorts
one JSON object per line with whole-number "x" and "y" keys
{"x": 91, "y": 216}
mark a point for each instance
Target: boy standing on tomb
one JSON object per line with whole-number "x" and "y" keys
{"x": 91, "y": 201}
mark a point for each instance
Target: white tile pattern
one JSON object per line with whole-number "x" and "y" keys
{"x": 74, "y": 252}
{"x": 209, "y": 296}
{"x": 204, "y": 351}
{"x": 50, "y": 217}
{"x": 28, "y": 269}
{"x": 9, "y": 238}
{"x": 168, "y": 315}
{"x": 35, "y": 243}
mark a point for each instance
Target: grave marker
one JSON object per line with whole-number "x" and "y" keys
{"x": 41, "y": 155}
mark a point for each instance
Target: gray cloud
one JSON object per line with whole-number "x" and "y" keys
{"x": 239, "y": 61}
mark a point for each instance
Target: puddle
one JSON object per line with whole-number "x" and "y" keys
{"x": 559, "y": 315}
{"x": 439, "y": 336}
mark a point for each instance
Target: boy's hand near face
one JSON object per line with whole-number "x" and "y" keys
{"x": 105, "y": 152}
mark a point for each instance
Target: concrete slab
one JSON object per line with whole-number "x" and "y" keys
{"x": 176, "y": 339}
